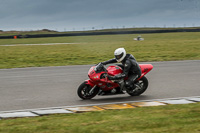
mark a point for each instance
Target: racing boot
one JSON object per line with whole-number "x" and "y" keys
{"x": 130, "y": 83}
{"x": 121, "y": 85}
{"x": 130, "y": 86}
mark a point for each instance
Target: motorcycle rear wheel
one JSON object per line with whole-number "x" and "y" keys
{"x": 143, "y": 83}
{"x": 84, "y": 91}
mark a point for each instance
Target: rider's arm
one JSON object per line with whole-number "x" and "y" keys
{"x": 127, "y": 67}
{"x": 109, "y": 61}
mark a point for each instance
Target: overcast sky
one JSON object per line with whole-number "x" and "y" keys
{"x": 66, "y": 15}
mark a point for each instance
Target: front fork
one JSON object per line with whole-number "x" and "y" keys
{"x": 90, "y": 83}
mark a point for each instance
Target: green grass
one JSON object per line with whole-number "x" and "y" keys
{"x": 94, "y": 49}
{"x": 169, "y": 119}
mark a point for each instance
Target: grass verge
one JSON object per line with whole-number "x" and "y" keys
{"x": 94, "y": 49}
{"x": 171, "y": 118}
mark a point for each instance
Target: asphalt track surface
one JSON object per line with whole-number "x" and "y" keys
{"x": 43, "y": 87}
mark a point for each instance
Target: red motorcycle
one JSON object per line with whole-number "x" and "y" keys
{"x": 98, "y": 82}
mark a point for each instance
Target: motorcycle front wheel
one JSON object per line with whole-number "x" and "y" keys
{"x": 84, "y": 91}
{"x": 140, "y": 87}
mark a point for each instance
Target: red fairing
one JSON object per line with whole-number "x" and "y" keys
{"x": 91, "y": 71}
{"x": 89, "y": 82}
{"x": 103, "y": 83}
{"x": 145, "y": 68}
{"x": 95, "y": 77}
{"x": 114, "y": 70}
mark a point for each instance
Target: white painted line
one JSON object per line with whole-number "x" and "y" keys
{"x": 178, "y": 101}
{"x": 17, "y": 114}
{"x": 197, "y": 99}
{"x": 51, "y": 111}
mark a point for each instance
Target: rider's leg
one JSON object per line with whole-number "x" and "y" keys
{"x": 130, "y": 81}
{"x": 121, "y": 84}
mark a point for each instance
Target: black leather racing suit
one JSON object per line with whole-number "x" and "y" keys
{"x": 130, "y": 68}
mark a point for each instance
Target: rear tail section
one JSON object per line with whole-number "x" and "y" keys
{"x": 145, "y": 68}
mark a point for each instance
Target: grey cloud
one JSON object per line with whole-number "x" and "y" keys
{"x": 27, "y": 14}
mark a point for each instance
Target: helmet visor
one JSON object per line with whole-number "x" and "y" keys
{"x": 119, "y": 56}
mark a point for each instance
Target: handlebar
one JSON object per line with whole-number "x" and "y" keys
{"x": 100, "y": 66}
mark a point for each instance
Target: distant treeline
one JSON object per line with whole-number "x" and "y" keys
{"x": 100, "y": 33}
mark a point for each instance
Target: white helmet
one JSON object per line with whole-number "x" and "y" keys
{"x": 120, "y": 54}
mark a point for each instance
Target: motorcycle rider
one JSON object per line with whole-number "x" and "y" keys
{"x": 129, "y": 65}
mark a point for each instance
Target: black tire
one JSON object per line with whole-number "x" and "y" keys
{"x": 143, "y": 82}
{"x": 84, "y": 89}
